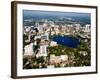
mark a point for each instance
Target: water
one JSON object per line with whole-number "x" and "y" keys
{"x": 67, "y": 41}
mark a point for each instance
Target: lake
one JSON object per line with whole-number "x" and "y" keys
{"x": 67, "y": 41}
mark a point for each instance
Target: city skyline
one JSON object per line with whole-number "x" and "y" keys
{"x": 54, "y": 13}
{"x": 66, "y": 17}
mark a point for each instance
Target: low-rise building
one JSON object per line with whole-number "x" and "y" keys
{"x": 53, "y": 43}
{"x": 58, "y": 59}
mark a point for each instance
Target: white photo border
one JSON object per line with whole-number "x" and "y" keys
{"x": 68, "y": 70}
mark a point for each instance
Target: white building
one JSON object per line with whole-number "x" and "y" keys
{"x": 43, "y": 51}
{"x": 87, "y": 28}
{"x": 58, "y": 59}
{"x": 51, "y": 23}
{"x": 39, "y": 27}
{"x": 28, "y": 50}
{"x": 44, "y": 25}
{"x": 77, "y": 27}
{"x": 46, "y": 36}
{"x": 56, "y": 28}
{"x": 53, "y": 43}
{"x": 63, "y": 28}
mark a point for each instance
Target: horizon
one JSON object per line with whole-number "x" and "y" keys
{"x": 54, "y": 13}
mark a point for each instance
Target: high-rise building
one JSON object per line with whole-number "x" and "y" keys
{"x": 87, "y": 28}
{"x": 77, "y": 27}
